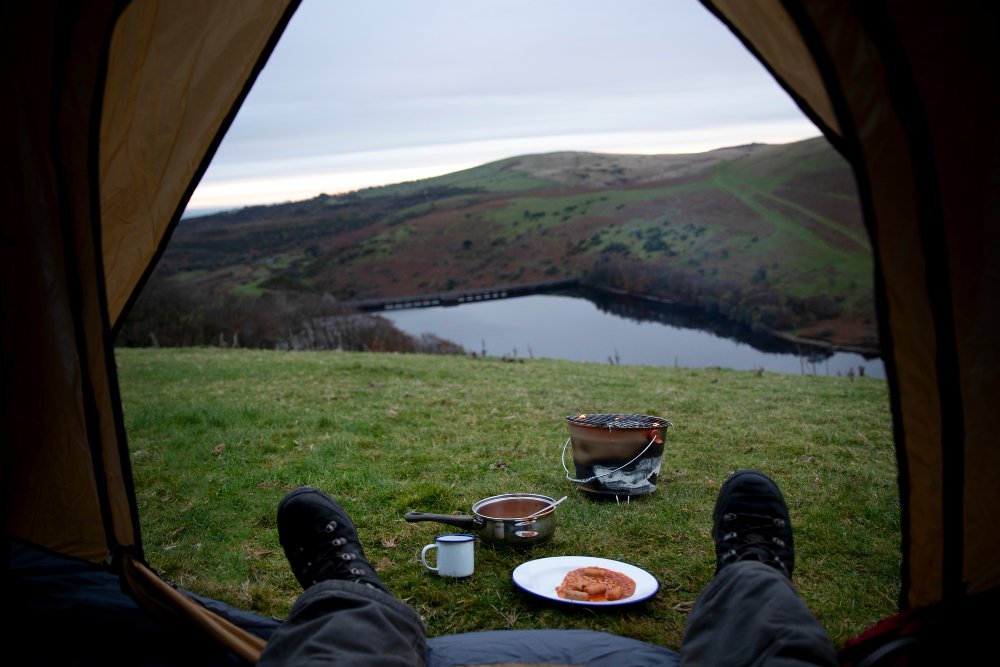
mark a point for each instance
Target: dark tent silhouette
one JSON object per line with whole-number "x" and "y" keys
{"x": 116, "y": 107}
{"x": 901, "y": 90}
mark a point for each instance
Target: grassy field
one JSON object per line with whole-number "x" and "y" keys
{"x": 219, "y": 436}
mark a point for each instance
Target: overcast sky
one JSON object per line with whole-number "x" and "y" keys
{"x": 382, "y": 91}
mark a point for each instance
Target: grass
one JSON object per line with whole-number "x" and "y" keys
{"x": 219, "y": 436}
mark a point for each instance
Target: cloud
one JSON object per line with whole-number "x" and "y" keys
{"x": 360, "y": 94}
{"x": 278, "y": 181}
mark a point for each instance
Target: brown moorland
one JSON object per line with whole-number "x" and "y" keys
{"x": 770, "y": 237}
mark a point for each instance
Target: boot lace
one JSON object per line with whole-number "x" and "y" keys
{"x": 751, "y": 537}
{"x": 328, "y": 557}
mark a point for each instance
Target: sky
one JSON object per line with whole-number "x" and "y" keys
{"x": 358, "y": 94}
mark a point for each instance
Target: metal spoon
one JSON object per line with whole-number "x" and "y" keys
{"x": 546, "y": 508}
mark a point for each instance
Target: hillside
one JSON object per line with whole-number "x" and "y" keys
{"x": 769, "y": 236}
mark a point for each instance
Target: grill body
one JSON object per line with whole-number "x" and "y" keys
{"x": 617, "y": 454}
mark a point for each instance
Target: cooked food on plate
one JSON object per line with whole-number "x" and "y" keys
{"x": 595, "y": 584}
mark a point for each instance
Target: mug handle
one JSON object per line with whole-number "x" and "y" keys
{"x": 423, "y": 556}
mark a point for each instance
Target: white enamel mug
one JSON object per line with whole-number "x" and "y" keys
{"x": 455, "y": 555}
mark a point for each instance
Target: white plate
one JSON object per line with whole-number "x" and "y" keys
{"x": 540, "y": 577}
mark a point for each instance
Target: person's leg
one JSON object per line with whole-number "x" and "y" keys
{"x": 346, "y": 615}
{"x": 346, "y": 623}
{"x": 750, "y": 613}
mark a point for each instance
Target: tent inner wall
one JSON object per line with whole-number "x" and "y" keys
{"x": 66, "y": 483}
{"x": 916, "y": 117}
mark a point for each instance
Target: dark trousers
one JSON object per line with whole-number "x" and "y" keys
{"x": 750, "y": 614}
{"x": 347, "y": 623}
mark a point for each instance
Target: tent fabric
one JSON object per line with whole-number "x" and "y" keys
{"x": 916, "y": 117}
{"x": 107, "y": 626}
{"x": 65, "y": 472}
{"x": 102, "y": 179}
{"x": 172, "y": 84}
{"x": 168, "y": 602}
{"x": 83, "y": 221}
{"x": 70, "y": 611}
{"x": 121, "y": 104}
{"x": 767, "y": 29}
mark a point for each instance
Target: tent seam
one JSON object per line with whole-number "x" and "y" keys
{"x": 853, "y": 152}
{"x": 74, "y": 288}
{"x": 902, "y": 87}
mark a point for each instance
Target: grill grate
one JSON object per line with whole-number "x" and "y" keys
{"x": 615, "y": 421}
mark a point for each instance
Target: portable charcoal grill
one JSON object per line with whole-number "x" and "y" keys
{"x": 618, "y": 454}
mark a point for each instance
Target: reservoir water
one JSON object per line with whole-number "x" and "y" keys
{"x": 578, "y": 329}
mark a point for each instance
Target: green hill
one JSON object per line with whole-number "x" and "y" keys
{"x": 769, "y": 236}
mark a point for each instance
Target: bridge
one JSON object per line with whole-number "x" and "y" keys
{"x": 458, "y": 297}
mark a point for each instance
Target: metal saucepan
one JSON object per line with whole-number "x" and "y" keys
{"x": 503, "y": 519}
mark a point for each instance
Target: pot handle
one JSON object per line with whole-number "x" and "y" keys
{"x": 591, "y": 479}
{"x": 457, "y": 520}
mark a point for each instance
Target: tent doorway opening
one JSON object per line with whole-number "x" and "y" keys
{"x": 637, "y": 228}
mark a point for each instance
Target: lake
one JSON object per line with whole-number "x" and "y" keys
{"x": 579, "y": 329}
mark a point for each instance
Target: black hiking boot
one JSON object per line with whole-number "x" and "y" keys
{"x": 751, "y": 522}
{"x": 320, "y": 540}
